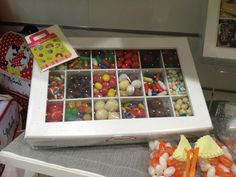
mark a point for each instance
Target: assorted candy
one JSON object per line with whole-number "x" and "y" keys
{"x": 103, "y": 59}
{"x": 78, "y": 110}
{"x": 54, "y": 111}
{"x": 150, "y": 58}
{"x": 182, "y": 107}
{"x": 176, "y": 82}
{"x": 82, "y": 62}
{"x": 162, "y": 163}
{"x": 221, "y": 166}
{"x": 78, "y": 85}
{"x": 133, "y": 109}
{"x": 106, "y": 109}
{"x": 154, "y": 84}
{"x": 56, "y": 85}
{"x": 127, "y": 59}
{"x": 104, "y": 85}
{"x": 130, "y": 84}
{"x": 170, "y": 58}
{"x": 157, "y": 108}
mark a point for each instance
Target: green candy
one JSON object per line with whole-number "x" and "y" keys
{"x": 111, "y": 58}
{"x": 69, "y": 117}
{"x": 99, "y": 60}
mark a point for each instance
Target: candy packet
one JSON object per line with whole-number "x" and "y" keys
{"x": 168, "y": 160}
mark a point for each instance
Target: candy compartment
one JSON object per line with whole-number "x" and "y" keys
{"x": 56, "y": 85}
{"x": 77, "y": 110}
{"x": 133, "y": 108}
{"x": 150, "y": 59}
{"x": 103, "y": 59}
{"x": 170, "y": 58}
{"x": 127, "y": 59}
{"x": 154, "y": 82}
{"x": 104, "y": 84}
{"x": 106, "y": 109}
{"x": 159, "y": 107}
{"x": 78, "y": 84}
{"x": 182, "y": 106}
{"x": 130, "y": 83}
{"x": 54, "y": 111}
{"x": 176, "y": 82}
{"x": 82, "y": 62}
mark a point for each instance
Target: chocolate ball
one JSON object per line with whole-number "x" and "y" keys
{"x": 132, "y": 77}
{"x": 137, "y": 92}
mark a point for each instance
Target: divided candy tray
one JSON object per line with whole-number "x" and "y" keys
{"x": 119, "y": 90}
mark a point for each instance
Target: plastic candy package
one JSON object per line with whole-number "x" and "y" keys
{"x": 208, "y": 158}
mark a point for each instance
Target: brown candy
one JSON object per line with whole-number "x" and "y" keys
{"x": 132, "y": 77}
{"x": 137, "y": 92}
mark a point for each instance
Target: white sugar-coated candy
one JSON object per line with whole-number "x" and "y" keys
{"x": 151, "y": 155}
{"x": 123, "y": 77}
{"x": 224, "y": 168}
{"x": 151, "y": 170}
{"x": 156, "y": 143}
{"x": 111, "y": 105}
{"x": 162, "y": 85}
{"x": 152, "y": 145}
{"x": 130, "y": 90}
{"x": 228, "y": 155}
{"x": 155, "y": 176}
{"x": 169, "y": 171}
{"x": 101, "y": 114}
{"x": 163, "y": 162}
{"x": 168, "y": 145}
{"x": 211, "y": 172}
{"x": 184, "y": 106}
{"x": 185, "y": 99}
{"x": 233, "y": 169}
{"x": 163, "y": 93}
{"x": 149, "y": 92}
{"x": 177, "y": 113}
{"x": 94, "y": 61}
{"x": 204, "y": 166}
{"x": 179, "y": 101}
{"x": 177, "y": 107}
{"x": 113, "y": 115}
{"x": 189, "y": 112}
{"x": 165, "y": 155}
{"x": 99, "y": 105}
{"x": 182, "y": 111}
{"x": 159, "y": 170}
{"x": 137, "y": 83}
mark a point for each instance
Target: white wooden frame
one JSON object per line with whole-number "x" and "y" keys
{"x": 40, "y": 133}
{"x": 210, "y": 48}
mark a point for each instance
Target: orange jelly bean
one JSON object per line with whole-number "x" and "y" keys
{"x": 225, "y": 161}
{"x": 214, "y": 161}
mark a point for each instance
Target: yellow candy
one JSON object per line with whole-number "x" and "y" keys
{"x": 111, "y": 93}
{"x": 95, "y": 91}
{"x": 106, "y": 77}
{"x": 87, "y": 117}
{"x": 123, "y": 93}
{"x": 140, "y": 105}
{"x": 78, "y": 104}
{"x": 98, "y": 85}
{"x": 88, "y": 110}
{"x": 147, "y": 79}
{"x": 124, "y": 84}
{"x": 71, "y": 104}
